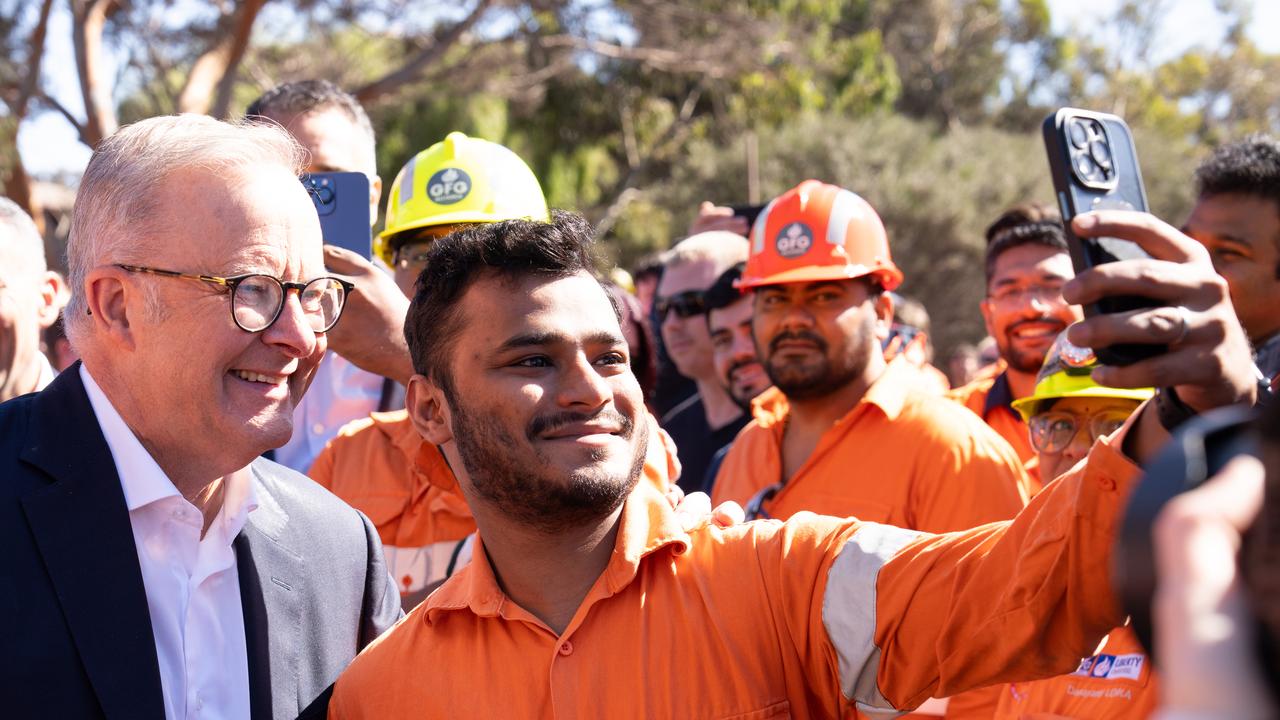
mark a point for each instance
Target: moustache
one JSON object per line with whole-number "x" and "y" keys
{"x": 544, "y": 424}
{"x": 739, "y": 365}
{"x": 797, "y": 335}
{"x": 1042, "y": 320}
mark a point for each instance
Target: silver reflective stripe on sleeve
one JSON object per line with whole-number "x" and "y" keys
{"x": 849, "y": 612}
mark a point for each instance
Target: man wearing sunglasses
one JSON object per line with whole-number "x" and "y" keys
{"x": 165, "y": 569}
{"x": 710, "y": 418}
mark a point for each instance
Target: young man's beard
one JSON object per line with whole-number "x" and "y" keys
{"x": 514, "y": 486}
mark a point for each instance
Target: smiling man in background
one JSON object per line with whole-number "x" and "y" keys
{"x": 1026, "y": 266}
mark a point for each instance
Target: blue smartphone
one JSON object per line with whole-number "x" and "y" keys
{"x": 342, "y": 201}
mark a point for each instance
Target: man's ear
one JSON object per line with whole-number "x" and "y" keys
{"x": 108, "y": 298}
{"x": 51, "y": 294}
{"x": 985, "y": 307}
{"x": 375, "y": 198}
{"x": 884, "y": 315}
{"x": 429, "y": 410}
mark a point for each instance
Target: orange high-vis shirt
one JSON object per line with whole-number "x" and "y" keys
{"x": 1116, "y": 683}
{"x": 803, "y": 619}
{"x": 899, "y": 457}
{"x": 382, "y": 467}
{"x": 989, "y": 398}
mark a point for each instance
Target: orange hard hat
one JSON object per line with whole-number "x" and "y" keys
{"x": 817, "y": 231}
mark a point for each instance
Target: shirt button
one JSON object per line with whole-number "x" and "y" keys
{"x": 566, "y": 648}
{"x": 317, "y": 428}
{"x": 1107, "y": 483}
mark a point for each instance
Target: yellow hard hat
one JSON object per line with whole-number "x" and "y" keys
{"x": 1067, "y": 372}
{"x": 460, "y": 180}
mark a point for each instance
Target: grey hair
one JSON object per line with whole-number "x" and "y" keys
{"x": 121, "y": 202}
{"x": 720, "y": 247}
{"x": 25, "y": 242}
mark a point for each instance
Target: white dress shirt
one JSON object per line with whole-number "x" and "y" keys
{"x": 339, "y": 393}
{"x": 193, "y": 591}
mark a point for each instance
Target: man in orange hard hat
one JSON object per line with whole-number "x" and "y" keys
{"x": 844, "y": 432}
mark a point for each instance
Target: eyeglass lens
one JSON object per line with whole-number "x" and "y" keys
{"x": 258, "y": 299}
{"x": 1053, "y": 432}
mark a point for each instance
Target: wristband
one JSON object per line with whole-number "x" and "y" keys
{"x": 1170, "y": 409}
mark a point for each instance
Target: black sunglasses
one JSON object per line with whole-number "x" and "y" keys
{"x": 686, "y": 304}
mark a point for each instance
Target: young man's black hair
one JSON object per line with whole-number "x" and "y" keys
{"x": 1248, "y": 167}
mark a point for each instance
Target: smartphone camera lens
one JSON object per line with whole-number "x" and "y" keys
{"x": 1079, "y": 133}
{"x": 1085, "y": 166}
{"x": 1100, "y": 152}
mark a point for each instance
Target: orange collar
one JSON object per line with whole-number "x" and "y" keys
{"x": 648, "y": 524}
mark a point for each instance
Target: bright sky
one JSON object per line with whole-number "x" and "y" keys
{"x": 49, "y": 144}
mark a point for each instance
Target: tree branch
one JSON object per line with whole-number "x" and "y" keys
{"x": 625, "y": 192}
{"x": 66, "y": 114}
{"x": 89, "y": 17}
{"x": 424, "y": 58}
{"x": 17, "y": 185}
{"x": 213, "y": 73}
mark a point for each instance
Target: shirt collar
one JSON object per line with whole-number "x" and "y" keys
{"x": 142, "y": 479}
{"x": 647, "y": 525}
{"x": 1000, "y": 395}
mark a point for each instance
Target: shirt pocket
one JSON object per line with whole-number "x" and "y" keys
{"x": 780, "y": 710}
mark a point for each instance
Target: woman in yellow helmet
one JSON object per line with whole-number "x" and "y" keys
{"x": 1066, "y": 414}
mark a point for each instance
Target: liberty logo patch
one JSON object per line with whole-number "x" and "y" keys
{"x": 793, "y": 240}
{"x": 448, "y": 186}
{"x": 1112, "y": 667}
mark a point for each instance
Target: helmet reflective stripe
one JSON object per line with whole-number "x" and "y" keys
{"x": 757, "y": 232}
{"x": 406, "y": 181}
{"x": 845, "y": 208}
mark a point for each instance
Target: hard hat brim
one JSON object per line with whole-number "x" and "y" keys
{"x": 889, "y": 278}
{"x": 1028, "y": 406}
{"x": 457, "y": 218}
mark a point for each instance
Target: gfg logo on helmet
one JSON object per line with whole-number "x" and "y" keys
{"x": 448, "y": 186}
{"x": 793, "y": 240}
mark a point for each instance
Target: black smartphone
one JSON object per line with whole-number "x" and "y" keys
{"x": 748, "y": 213}
{"x": 342, "y": 201}
{"x": 1095, "y": 167}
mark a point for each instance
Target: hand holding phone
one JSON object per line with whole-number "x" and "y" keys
{"x": 1095, "y": 167}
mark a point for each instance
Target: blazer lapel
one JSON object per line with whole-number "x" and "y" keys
{"x": 81, "y": 525}
{"x": 269, "y": 590}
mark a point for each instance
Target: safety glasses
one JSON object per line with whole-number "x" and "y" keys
{"x": 690, "y": 303}
{"x": 1052, "y": 432}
